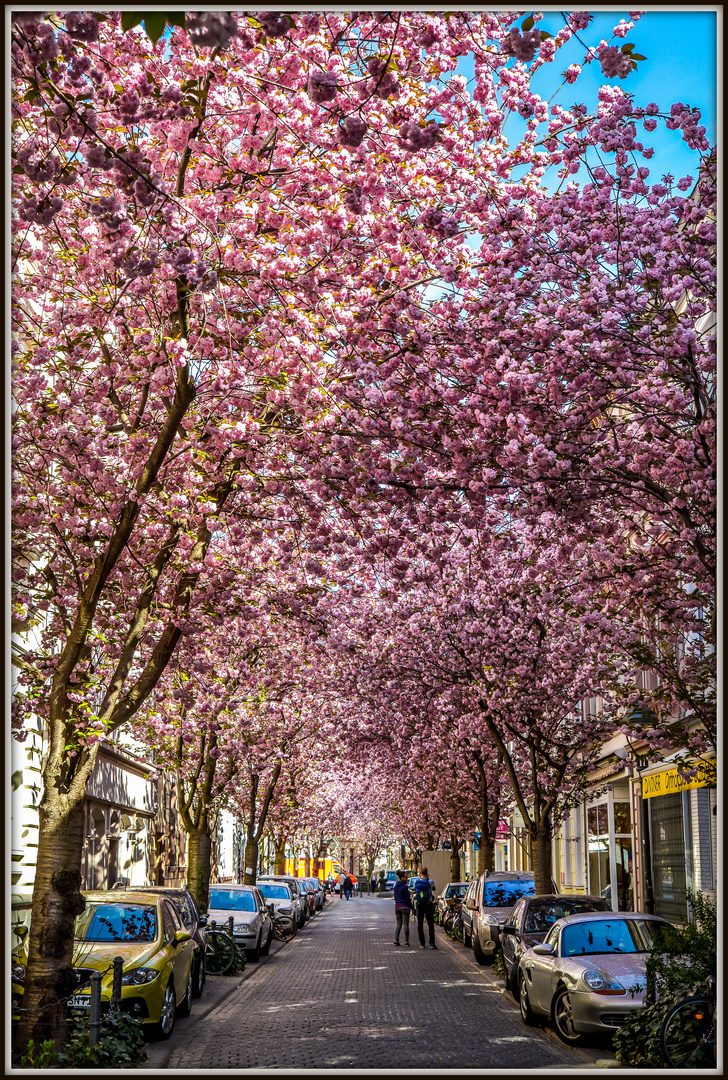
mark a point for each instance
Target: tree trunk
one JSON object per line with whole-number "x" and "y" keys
{"x": 56, "y": 903}
{"x": 541, "y": 857}
{"x": 454, "y": 860}
{"x": 486, "y": 853}
{"x": 280, "y": 862}
{"x": 199, "y": 863}
{"x": 251, "y": 861}
{"x": 307, "y": 865}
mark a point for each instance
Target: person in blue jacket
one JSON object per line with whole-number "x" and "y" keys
{"x": 425, "y": 897}
{"x": 402, "y": 906}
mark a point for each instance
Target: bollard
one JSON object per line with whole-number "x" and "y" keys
{"x": 94, "y": 1028}
{"x": 213, "y": 924}
{"x": 116, "y": 985}
{"x": 231, "y": 923}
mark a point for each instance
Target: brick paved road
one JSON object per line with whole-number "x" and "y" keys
{"x": 340, "y": 995}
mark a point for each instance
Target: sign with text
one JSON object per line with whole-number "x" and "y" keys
{"x": 671, "y": 781}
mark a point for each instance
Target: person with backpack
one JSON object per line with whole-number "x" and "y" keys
{"x": 425, "y": 897}
{"x": 347, "y": 887}
{"x": 402, "y": 906}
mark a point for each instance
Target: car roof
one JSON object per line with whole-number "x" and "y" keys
{"x": 508, "y": 875}
{"x": 535, "y": 897}
{"x": 598, "y": 916}
{"x": 119, "y": 896}
{"x": 457, "y": 883}
{"x": 230, "y": 886}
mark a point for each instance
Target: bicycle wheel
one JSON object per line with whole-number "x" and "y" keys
{"x": 284, "y": 933}
{"x": 688, "y": 1035}
{"x": 219, "y": 953}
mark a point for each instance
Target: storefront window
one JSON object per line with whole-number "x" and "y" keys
{"x": 625, "y": 876}
{"x": 622, "y": 818}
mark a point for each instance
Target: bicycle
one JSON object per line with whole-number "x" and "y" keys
{"x": 687, "y": 1036}
{"x": 220, "y": 952}
{"x": 283, "y": 930}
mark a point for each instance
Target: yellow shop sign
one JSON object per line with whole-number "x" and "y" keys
{"x": 673, "y": 780}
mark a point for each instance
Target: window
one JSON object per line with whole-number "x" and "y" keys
{"x": 170, "y": 922}
{"x": 608, "y": 936}
{"x": 117, "y": 922}
{"x": 231, "y": 900}
{"x": 505, "y": 893}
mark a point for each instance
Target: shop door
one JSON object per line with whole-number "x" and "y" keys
{"x": 667, "y": 838}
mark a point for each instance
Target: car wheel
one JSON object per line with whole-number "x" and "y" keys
{"x": 198, "y": 983}
{"x": 478, "y": 950}
{"x": 266, "y": 948}
{"x": 254, "y": 954}
{"x": 563, "y": 1018}
{"x": 185, "y": 1006}
{"x": 527, "y": 1014}
{"x": 167, "y": 1013}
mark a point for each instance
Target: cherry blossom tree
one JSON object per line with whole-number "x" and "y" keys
{"x": 223, "y": 350}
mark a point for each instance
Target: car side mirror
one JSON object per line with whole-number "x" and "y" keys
{"x": 181, "y": 936}
{"x": 470, "y": 904}
{"x": 509, "y": 930}
{"x": 543, "y": 950}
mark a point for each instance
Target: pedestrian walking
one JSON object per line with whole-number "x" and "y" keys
{"x": 347, "y": 887}
{"x": 425, "y": 895}
{"x": 402, "y": 907}
{"x": 373, "y": 882}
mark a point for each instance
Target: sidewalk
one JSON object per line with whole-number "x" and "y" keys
{"x": 217, "y": 989}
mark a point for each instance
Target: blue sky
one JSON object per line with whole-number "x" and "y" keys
{"x": 680, "y": 65}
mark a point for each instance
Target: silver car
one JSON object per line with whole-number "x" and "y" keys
{"x": 296, "y": 895}
{"x": 588, "y": 975}
{"x": 278, "y": 894}
{"x": 252, "y": 924}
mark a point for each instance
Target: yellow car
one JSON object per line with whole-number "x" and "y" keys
{"x": 145, "y": 930}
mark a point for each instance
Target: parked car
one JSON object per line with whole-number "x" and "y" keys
{"x": 588, "y": 975}
{"x": 278, "y": 895}
{"x": 252, "y": 924}
{"x": 311, "y": 892}
{"x": 455, "y": 890}
{"x": 494, "y": 899}
{"x": 390, "y": 880}
{"x": 186, "y": 907}
{"x": 145, "y": 930}
{"x": 467, "y": 913}
{"x": 530, "y": 921}
{"x": 320, "y": 894}
{"x": 296, "y": 895}
{"x": 304, "y": 897}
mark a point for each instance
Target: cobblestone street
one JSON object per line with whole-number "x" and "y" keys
{"x": 340, "y": 995}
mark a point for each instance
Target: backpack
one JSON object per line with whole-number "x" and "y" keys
{"x": 423, "y": 891}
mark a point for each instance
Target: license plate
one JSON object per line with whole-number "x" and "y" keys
{"x": 80, "y": 1001}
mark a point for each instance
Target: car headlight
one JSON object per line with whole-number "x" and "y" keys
{"x": 241, "y": 928}
{"x": 18, "y": 973}
{"x": 285, "y": 910}
{"x": 602, "y": 984}
{"x": 138, "y": 976}
{"x": 490, "y": 920}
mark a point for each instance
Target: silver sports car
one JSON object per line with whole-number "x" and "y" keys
{"x": 588, "y": 975}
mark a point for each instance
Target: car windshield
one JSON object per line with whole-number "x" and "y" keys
{"x": 542, "y": 914}
{"x": 608, "y": 936}
{"x": 231, "y": 900}
{"x": 506, "y": 893}
{"x": 456, "y": 890}
{"x": 275, "y": 892}
{"x": 117, "y": 922}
